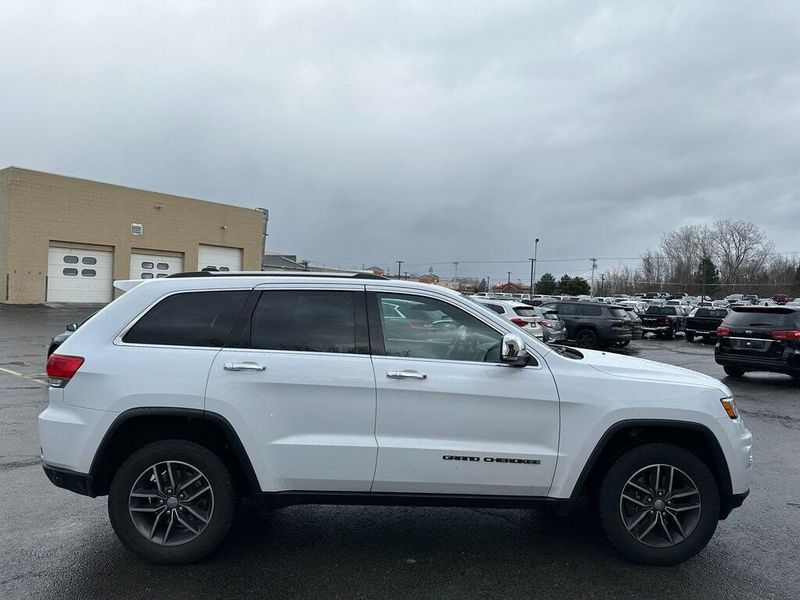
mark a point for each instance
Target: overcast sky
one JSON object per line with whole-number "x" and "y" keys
{"x": 425, "y": 131}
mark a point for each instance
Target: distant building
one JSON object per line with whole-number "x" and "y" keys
{"x": 64, "y": 239}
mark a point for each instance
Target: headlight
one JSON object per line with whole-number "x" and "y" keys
{"x": 730, "y": 407}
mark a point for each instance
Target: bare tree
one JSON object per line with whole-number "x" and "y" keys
{"x": 741, "y": 249}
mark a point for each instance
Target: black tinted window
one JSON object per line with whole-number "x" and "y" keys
{"x": 305, "y": 321}
{"x": 566, "y": 309}
{"x": 590, "y": 310}
{"x": 619, "y": 313}
{"x": 189, "y": 319}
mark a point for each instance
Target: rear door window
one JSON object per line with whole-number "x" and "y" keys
{"x": 590, "y": 310}
{"x": 306, "y": 321}
{"x": 566, "y": 310}
{"x": 189, "y": 319}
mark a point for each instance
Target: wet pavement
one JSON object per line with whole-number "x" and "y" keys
{"x": 60, "y": 545}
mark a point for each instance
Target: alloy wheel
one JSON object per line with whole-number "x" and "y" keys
{"x": 660, "y": 505}
{"x": 171, "y": 503}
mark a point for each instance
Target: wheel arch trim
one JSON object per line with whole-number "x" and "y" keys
{"x": 720, "y": 463}
{"x": 232, "y": 438}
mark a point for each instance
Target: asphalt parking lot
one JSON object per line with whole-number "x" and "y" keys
{"x": 58, "y": 544}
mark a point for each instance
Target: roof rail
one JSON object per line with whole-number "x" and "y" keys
{"x": 342, "y": 275}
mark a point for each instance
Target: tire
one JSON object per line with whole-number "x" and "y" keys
{"x": 732, "y": 371}
{"x": 587, "y": 338}
{"x": 670, "y": 335}
{"x": 689, "y": 337}
{"x": 184, "y": 537}
{"x": 698, "y": 520}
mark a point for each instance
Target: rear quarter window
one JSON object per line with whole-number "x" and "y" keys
{"x": 189, "y": 319}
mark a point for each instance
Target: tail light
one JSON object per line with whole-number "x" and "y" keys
{"x": 545, "y": 323}
{"x": 786, "y": 335}
{"x": 518, "y": 321}
{"x": 669, "y": 320}
{"x": 723, "y": 330}
{"x": 61, "y": 368}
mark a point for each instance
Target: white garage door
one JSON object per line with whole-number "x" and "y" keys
{"x": 75, "y": 275}
{"x": 145, "y": 265}
{"x": 224, "y": 259}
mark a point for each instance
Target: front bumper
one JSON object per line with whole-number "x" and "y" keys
{"x": 730, "y": 503}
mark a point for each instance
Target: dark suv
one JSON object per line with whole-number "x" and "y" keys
{"x": 759, "y": 338}
{"x": 592, "y": 324}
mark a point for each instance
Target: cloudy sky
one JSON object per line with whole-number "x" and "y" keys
{"x": 428, "y": 131}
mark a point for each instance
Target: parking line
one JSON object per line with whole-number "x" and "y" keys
{"x": 10, "y": 372}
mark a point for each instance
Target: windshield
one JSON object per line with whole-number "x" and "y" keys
{"x": 711, "y": 313}
{"x": 660, "y": 310}
{"x": 523, "y": 311}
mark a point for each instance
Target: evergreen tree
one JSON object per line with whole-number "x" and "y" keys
{"x": 546, "y": 284}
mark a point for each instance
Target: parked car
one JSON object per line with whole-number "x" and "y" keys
{"x": 553, "y": 327}
{"x": 591, "y": 324}
{"x": 522, "y": 315}
{"x": 780, "y": 298}
{"x": 760, "y": 338}
{"x": 60, "y": 338}
{"x": 635, "y": 323}
{"x": 186, "y": 394}
{"x": 664, "y": 321}
{"x": 703, "y": 322}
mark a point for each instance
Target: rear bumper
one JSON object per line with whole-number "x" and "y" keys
{"x": 80, "y": 483}
{"x": 702, "y": 332}
{"x": 754, "y": 363}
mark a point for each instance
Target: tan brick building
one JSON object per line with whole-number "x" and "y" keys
{"x": 65, "y": 240}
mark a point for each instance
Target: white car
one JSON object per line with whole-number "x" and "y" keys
{"x": 187, "y": 393}
{"x": 522, "y": 315}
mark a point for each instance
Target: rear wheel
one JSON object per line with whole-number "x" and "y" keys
{"x": 732, "y": 371}
{"x": 172, "y": 502}
{"x": 659, "y": 504}
{"x": 689, "y": 336}
{"x": 586, "y": 338}
{"x": 670, "y": 335}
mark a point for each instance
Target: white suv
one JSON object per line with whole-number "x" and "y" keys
{"x": 187, "y": 393}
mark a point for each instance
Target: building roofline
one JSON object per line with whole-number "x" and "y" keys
{"x": 11, "y": 168}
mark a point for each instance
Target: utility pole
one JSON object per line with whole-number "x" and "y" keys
{"x": 533, "y": 267}
{"x": 603, "y": 283}
{"x": 399, "y": 264}
{"x": 488, "y": 287}
{"x": 509, "y": 276}
{"x": 455, "y": 273}
{"x": 594, "y": 268}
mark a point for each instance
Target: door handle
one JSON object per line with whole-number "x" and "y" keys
{"x": 243, "y": 366}
{"x": 406, "y": 375}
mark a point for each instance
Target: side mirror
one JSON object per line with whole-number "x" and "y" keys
{"x": 72, "y": 327}
{"x": 513, "y": 351}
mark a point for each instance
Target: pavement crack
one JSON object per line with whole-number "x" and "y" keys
{"x": 498, "y": 516}
{"x": 9, "y": 466}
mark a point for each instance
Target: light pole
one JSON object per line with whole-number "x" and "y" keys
{"x": 399, "y": 264}
{"x": 533, "y": 268}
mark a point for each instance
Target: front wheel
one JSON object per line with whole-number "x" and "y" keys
{"x": 689, "y": 336}
{"x": 172, "y": 502}
{"x": 659, "y": 504}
